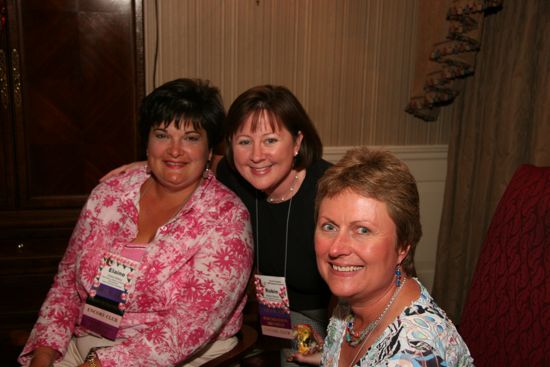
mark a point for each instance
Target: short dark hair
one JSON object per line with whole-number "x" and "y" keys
{"x": 184, "y": 101}
{"x": 282, "y": 108}
{"x": 379, "y": 175}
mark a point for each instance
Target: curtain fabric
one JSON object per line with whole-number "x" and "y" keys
{"x": 502, "y": 120}
{"x": 449, "y": 35}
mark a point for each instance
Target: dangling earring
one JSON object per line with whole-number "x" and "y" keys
{"x": 398, "y": 275}
{"x": 206, "y": 170}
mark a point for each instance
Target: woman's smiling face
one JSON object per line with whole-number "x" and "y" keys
{"x": 264, "y": 156}
{"x": 356, "y": 246}
{"x": 177, "y": 156}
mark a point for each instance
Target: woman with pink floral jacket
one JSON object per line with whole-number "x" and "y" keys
{"x": 157, "y": 265}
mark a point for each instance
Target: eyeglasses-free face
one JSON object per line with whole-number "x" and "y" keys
{"x": 265, "y": 156}
{"x": 177, "y": 157}
{"x": 356, "y": 247}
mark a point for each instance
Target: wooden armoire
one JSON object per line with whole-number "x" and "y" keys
{"x": 71, "y": 80}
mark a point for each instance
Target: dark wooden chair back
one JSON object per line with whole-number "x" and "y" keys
{"x": 247, "y": 338}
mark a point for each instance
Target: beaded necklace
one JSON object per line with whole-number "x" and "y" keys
{"x": 353, "y": 338}
{"x": 287, "y": 195}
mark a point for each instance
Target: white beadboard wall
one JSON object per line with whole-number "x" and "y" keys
{"x": 428, "y": 164}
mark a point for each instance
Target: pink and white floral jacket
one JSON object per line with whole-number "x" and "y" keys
{"x": 190, "y": 285}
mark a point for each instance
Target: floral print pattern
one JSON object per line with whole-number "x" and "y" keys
{"x": 421, "y": 336}
{"x": 190, "y": 283}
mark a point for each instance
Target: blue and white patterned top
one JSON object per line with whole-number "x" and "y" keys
{"x": 421, "y": 336}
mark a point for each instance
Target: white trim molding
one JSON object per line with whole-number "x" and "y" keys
{"x": 428, "y": 164}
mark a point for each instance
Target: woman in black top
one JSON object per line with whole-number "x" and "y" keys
{"x": 273, "y": 162}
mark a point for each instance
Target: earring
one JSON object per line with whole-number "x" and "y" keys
{"x": 398, "y": 276}
{"x": 206, "y": 170}
{"x": 294, "y": 159}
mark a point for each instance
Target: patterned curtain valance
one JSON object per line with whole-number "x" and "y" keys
{"x": 440, "y": 63}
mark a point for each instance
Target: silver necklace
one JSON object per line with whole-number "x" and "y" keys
{"x": 375, "y": 323}
{"x": 258, "y": 237}
{"x": 287, "y": 195}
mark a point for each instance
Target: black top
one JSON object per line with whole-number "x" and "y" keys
{"x": 306, "y": 288}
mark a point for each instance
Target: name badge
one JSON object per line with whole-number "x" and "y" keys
{"x": 106, "y": 303}
{"x": 273, "y": 306}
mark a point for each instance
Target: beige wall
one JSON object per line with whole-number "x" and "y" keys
{"x": 350, "y": 62}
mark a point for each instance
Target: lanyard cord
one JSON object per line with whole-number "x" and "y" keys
{"x": 258, "y": 237}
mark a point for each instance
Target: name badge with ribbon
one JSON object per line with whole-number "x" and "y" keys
{"x": 273, "y": 306}
{"x": 106, "y": 302}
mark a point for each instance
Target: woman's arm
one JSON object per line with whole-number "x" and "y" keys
{"x": 59, "y": 312}
{"x": 214, "y": 162}
{"x": 43, "y": 357}
{"x": 122, "y": 169}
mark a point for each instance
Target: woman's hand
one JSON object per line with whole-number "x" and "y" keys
{"x": 122, "y": 169}
{"x": 312, "y": 359}
{"x": 43, "y": 357}
{"x": 313, "y": 355}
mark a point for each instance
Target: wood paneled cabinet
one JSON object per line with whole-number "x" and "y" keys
{"x": 71, "y": 80}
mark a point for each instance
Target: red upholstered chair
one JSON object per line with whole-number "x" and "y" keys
{"x": 506, "y": 318}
